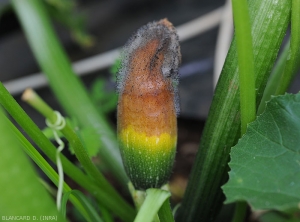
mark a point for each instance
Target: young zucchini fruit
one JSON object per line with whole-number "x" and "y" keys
{"x": 148, "y": 104}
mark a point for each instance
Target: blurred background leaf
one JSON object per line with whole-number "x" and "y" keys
{"x": 65, "y": 12}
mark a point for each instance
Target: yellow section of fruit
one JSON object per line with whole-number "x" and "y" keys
{"x": 136, "y": 140}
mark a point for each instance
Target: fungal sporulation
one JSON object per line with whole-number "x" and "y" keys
{"x": 147, "y": 107}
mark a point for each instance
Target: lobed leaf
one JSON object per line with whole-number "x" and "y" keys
{"x": 265, "y": 164}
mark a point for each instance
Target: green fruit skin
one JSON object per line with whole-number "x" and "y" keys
{"x": 147, "y": 168}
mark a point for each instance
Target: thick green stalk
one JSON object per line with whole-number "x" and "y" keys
{"x": 203, "y": 197}
{"x": 119, "y": 207}
{"x": 154, "y": 200}
{"x": 292, "y": 62}
{"x": 67, "y": 87}
{"x": 246, "y": 77}
{"x": 245, "y": 62}
{"x": 274, "y": 79}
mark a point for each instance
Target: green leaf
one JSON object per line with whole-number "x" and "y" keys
{"x": 265, "y": 164}
{"x": 48, "y": 132}
{"x": 89, "y": 138}
{"x": 45, "y": 167}
{"x": 22, "y": 194}
{"x": 104, "y": 99}
{"x": 65, "y": 12}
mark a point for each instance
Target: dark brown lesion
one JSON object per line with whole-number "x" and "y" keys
{"x": 147, "y": 101}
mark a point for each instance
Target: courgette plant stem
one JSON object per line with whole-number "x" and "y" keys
{"x": 45, "y": 166}
{"x": 246, "y": 77}
{"x": 119, "y": 207}
{"x": 156, "y": 202}
{"x": 81, "y": 153}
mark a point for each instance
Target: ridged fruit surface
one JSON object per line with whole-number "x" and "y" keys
{"x": 147, "y": 107}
